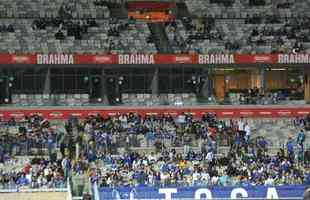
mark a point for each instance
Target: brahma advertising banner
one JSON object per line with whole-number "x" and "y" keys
{"x": 197, "y": 112}
{"x": 251, "y": 192}
{"x": 151, "y": 59}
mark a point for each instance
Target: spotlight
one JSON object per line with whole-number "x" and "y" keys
{"x": 86, "y": 79}
{"x": 96, "y": 80}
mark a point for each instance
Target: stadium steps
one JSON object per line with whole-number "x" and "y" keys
{"x": 161, "y": 39}
{"x": 117, "y": 10}
{"x": 80, "y": 184}
{"x": 182, "y": 10}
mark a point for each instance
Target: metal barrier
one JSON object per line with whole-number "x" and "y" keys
{"x": 69, "y": 197}
{"x": 96, "y": 191}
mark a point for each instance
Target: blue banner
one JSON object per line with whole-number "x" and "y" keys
{"x": 276, "y": 192}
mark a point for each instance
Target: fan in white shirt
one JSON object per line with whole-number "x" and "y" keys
{"x": 240, "y": 125}
{"x": 247, "y": 130}
{"x": 209, "y": 156}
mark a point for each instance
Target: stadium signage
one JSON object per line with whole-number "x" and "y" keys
{"x": 136, "y": 59}
{"x": 261, "y": 192}
{"x": 149, "y": 59}
{"x": 216, "y": 59}
{"x": 262, "y": 58}
{"x": 103, "y": 59}
{"x": 58, "y": 59}
{"x": 198, "y": 112}
{"x": 20, "y": 59}
{"x": 293, "y": 58}
{"x": 183, "y": 59}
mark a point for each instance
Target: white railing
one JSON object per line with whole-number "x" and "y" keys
{"x": 69, "y": 197}
{"x": 34, "y": 190}
{"x": 90, "y": 187}
{"x": 77, "y": 198}
{"x": 96, "y": 191}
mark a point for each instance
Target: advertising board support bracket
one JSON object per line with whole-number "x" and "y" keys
{"x": 104, "y": 96}
{"x": 47, "y": 82}
{"x": 154, "y": 84}
{"x": 263, "y": 79}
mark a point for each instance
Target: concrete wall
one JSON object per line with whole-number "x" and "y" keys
{"x": 34, "y": 196}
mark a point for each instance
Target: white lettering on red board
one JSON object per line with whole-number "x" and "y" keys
{"x": 293, "y": 58}
{"x": 216, "y": 59}
{"x": 56, "y": 114}
{"x": 227, "y": 113}
{"x": 136, "y": 59}
{"x": 52, "y": 59}
{"x": 103, "y": 59}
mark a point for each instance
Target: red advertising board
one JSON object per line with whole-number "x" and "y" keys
{"x": 145, "y": 59}
{"x": 221, "y": 112}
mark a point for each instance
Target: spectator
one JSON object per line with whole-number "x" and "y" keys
{"x": 59, "y": 35}
{"x": 10, "y": 28}
{"x": 290, "y": 149}
{"x": 301, "y": 138}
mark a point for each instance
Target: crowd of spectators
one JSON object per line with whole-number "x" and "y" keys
{"x": 91, "y": 147}
{"x": 7, "y": 28}
{"x": 292, "y": 29}
{"x": 277, "y": 37}
{"x": 33, "y": 136}
{"x": 171, "y": 169}
{"x": 74, "y": 28}
{"x": 254, "y": 3}
{"x": 34, "y": 173}
{"x": 203, "y": 29}
{"x": 256, "y": 96}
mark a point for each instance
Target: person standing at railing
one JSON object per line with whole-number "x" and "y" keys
{"x": 301, "y": 138}
{"x": 290, "y": 149}
{"x": 66, "y": 166}
{"x": 51, "y": 146}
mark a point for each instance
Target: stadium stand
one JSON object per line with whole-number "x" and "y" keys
{"x": 72, "y": 36}
{"x": 213, "y": 33}
{"x": 82, "y": 54}
{"x": 238, "y": 36}
{"x": 47, "y": 9}
{"x": 98, "y": 138}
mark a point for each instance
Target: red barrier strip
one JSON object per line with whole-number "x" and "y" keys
{"x": 136, "y": 59}
{"x": 251, "y": 112}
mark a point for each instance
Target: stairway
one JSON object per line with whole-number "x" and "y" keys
{"x": 118, "y": 10}
{"x": 182, "y": 10}
{"x": 160, "y": 37}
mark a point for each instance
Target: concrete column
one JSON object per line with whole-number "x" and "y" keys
{"x": 262, "y": 79}
{"x": 47, "y": 83}
{"x": 154, "y": 84}
{"x": 207, "y": 87}
{"x": 104, "y": 95}
{"x": 7, "y": 90}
